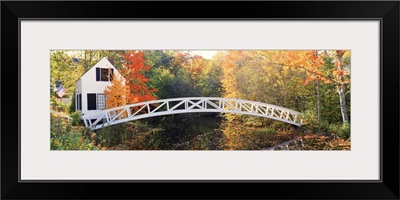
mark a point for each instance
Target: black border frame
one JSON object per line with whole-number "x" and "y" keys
{"x": 385, "y": 11}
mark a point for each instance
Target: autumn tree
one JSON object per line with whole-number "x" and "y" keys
{"x": 171, "y": 74}
{"x": 133, "y": 72}
{"x": 210, "y": 79}
{"x": 116, "y": 92}
{"x": 311, "y": 62}
{"x": 64, "y": 69}
{"x": 230, "y": 63}
{"x": 339, "y": 73}
{"x": 194, "y": 66}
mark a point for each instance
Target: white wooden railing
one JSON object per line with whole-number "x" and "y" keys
{"x": 190, "y": 105}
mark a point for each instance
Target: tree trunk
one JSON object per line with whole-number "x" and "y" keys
{"x": 341, "y": 88}
{"x": 343, "y": 106}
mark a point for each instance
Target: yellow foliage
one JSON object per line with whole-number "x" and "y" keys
{"x": 116, "y": 92}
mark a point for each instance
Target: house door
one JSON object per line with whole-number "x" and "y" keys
{"x": 91, "y": 101}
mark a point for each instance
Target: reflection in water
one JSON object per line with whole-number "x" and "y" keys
{"x": 191, "y": 132}
{"x": 205, "y": 131}
{"x": 242, "y": 137}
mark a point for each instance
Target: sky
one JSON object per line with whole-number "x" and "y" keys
{"x": 208, "y": 54}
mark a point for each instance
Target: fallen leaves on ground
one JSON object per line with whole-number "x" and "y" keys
{"x": 324, "y": 142}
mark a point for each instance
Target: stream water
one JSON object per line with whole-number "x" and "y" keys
{"x": 209, "y": 131}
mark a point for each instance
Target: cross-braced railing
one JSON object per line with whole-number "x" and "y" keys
{"x": 190, "y": 105}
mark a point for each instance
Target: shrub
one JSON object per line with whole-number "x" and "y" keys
{"x": 53, "y": 102}
{"x": 150, "y": 141}
{"x": 311, "y": 119}
{"x": 76, "y": 119}
{"x": 62, "y": 138}
{"x": 58, "y": 106}
{"x": 58, "y": 126}
{"x": 142, "y": 127}
{"x": 71, "y": 108}
{"x": 341, "y": 130}
{"x": 114, "y": 135}
{"x": 325, "y": 126}
{"x": 72, "y": 141}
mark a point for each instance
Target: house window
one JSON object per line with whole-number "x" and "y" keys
{"x": 104, "y": 74}
{"x": 91, "y": 101}
{"x": 78, "y": 102}
{"x": 96, "y": 101}
{"x": 101, "y": 101}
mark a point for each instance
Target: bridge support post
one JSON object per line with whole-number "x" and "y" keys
{"x": 128, "y": 110}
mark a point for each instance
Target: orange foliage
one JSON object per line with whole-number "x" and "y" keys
{"x": 229, "y": 65}
{"x": 338, "y": 72}
{"x": 194, "y": 66}
{"x": 135, "y": 79}
{"x": 311, "y": 61}
{"x": 116, "y": 92}
{"x": 308, "y": 60}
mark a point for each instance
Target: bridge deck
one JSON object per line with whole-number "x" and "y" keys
{"x": 190, "y": 105}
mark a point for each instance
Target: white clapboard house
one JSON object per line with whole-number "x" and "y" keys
{"x": 90, "y": 97}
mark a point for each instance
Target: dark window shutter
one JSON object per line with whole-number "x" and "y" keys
{"x": 91, "y": 99}
{"x": 80, "y": 101}
{"x": 77, "y": 102}
{"x": 111, "y": 74}
{"x": 97, "y": 74}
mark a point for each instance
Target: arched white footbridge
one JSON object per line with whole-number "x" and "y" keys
{"x": 147, "y": 109}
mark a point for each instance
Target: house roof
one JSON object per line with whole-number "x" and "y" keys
{"x": 104, "y": 59}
